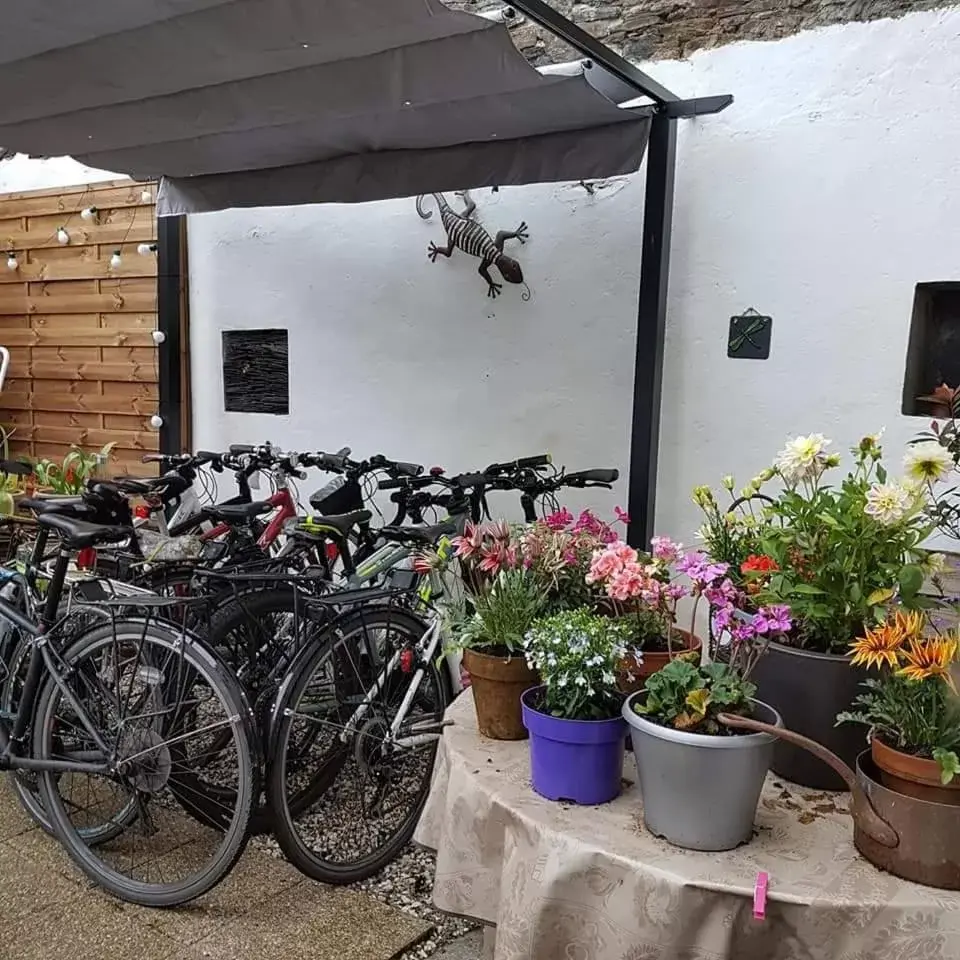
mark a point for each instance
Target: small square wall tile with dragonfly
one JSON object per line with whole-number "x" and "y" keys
{"x": 749, "y": 336}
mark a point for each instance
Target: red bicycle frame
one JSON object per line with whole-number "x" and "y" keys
{"x": 286, "y": 509}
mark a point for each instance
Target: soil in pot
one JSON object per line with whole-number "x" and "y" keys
{"x": 700, "y": 792}
{"x": 653, "y": 660}
{"x": 808, "y": 690}
{"x": 580, "y": 761}
{"x": 497, "y": 684}
{"x": 916, "y": 777}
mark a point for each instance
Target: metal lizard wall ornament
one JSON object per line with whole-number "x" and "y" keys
{"x": 471, "y": 238}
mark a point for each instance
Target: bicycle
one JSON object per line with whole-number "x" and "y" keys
{"x": 116, "y": 723}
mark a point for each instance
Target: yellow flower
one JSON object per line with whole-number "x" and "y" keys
{"x": 879, "y": 646}
{"x": 910, "y": 623}
{"x": 924, "y": 659}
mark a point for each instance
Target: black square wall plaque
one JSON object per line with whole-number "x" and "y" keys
{"x": 749, "y": 336}
{"x": 256, "y": 371}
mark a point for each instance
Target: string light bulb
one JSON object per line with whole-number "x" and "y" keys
{"x": 12, "y": 262}
{"x": 158, "y": 337}
{"x": 63, "y": 237}
{"x": 89, "y": 213}
{"x": 156, "y": 421}
{"x": 145, "y": 249}
{"x": 115, "y": 260}
{"x": 146, "y": 196}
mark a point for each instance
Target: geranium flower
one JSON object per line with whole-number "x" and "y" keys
{"x": 629, "y": 582}
{"x": 879, "y": 647}
{"x": 665, "y": 549}
{"x": 605, "y": 564}
{"x": 621, "y": 515}
{"x": 722, "y": 619}
{"x": 927, "y": 461}
{"x": 924, "y": 659}
{"x": 772, "y": 620}
{"x": 588, "y": 523}
{"x": 559, "y": 520}
{"x": 759, "y": 564}
{"x": 888, "y": 503}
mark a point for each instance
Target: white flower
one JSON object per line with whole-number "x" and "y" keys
{"x": 936, "y": 563}
{"x": 581, "y": 681}
{"x": 562, "y": 682}
{"x": 802, "y": 457}
{"x": 927, "y": 461}
{"x": 888, "y": 503}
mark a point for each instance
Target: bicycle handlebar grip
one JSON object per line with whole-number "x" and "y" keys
{"x": 471, "y": 479}
{"x": 542, "y": 460}
{"x": 596, "y": 476}
{"x": 238, "y": 449}
{"x": 332, "y": 461}
{"x": 155, "y": 458}
{"x": 408, "y": 469}
{"x": 391, "y": 484}
{"x": 344, "y": 452}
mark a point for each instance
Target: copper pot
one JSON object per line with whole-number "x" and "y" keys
{"x": 915, "y": 839}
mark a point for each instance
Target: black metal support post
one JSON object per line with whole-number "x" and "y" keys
{"x": 651, "y": 327}
{"x": 170, "y": 249}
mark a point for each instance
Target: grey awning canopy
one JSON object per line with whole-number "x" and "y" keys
{"x": 273, "y": 102}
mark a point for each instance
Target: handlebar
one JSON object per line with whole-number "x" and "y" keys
{"x": 524, "y": 463}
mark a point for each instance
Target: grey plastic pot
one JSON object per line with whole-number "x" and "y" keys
{"x": 700, "y": 792}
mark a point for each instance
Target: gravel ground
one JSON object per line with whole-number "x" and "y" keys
{"x": 407, "y": 884}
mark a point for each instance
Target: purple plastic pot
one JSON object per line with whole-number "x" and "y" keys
{"x": 576, "y": 760}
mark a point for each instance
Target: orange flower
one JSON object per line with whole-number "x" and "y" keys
{"x": 925, "y": 659}
{"x": 910, "y": 624}
{"x": 879, "y": 646}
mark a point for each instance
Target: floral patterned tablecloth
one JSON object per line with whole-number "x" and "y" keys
{"x": 562, "y": 882}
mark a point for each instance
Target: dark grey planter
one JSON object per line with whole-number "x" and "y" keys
{"x": 808, "y": 690}
{"x": 700, "y": 792}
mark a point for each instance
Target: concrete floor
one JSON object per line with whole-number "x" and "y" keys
{"x": 265, "y": 908}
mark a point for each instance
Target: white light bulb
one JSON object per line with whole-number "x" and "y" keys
{"x": 89, "y": 213}
{"x": 156, "y": 421}
{"x": 158, "y": 336}
{"x": 146, "y": 196}
{"x": 62, "y": 236}
{"x": 115, "y": 260}
{"x": 145, "y": 249}
{"x": 12, "y": 262}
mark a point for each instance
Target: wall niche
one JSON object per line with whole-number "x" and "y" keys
{"x": 933, "y": 352}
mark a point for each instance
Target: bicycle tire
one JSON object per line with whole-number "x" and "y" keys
{"x": 290, "y": 810}
{"x": 187, "y": 664}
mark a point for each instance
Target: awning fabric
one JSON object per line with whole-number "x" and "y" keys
{"x": 274, "y": 102}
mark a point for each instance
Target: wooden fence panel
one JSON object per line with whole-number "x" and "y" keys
{"x": 83, "y": 365}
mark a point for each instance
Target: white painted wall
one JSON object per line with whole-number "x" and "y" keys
{"x": 821, "y": 197}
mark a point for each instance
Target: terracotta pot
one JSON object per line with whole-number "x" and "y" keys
{"x": 915, "y": 777}
{"x": 497, "y": 684}
{"x": 684, "y": 642}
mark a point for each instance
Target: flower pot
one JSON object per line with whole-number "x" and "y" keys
{"x": 808, "y": 690}
{"x": 576, "y": 760}
{"x": 685, "y": 642}
{"x": 700, "y": 792}
{"x": 913, "y": 776}
{"x": 497, "y": 684}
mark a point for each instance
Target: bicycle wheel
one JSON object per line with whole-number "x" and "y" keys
{"x": 344, "y": 799}
{"x": 151, "y": 702}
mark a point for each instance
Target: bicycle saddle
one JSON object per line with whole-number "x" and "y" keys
{"x": 239, "y": 512}
{"x": 78, "y": 534}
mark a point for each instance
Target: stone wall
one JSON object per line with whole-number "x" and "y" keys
{"x": 672, "y": 29}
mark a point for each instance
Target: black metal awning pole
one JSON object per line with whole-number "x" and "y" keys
{"x": 169, "y": 306}
{"x": 651, "y": 327}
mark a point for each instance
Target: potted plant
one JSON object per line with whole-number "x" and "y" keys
{"x": 69, "y": 477}
{"x": 701, "y": 780}
{"x": 576, "y": 732}
{"x": 839, "y": 556}
{"x": 643, "y": 591}
{"x": 910, "y": 708}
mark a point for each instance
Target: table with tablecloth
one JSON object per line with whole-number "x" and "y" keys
{"x": 562, "y": 882}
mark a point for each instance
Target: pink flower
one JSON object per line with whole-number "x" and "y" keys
{"x": 665, "y": 550}
{"x": 627, "y": 583}
{"x": 722, "y": 618}
{"x": 676, "y": 591}
{"x": 470, "y": 542}
{"x": 510, "y": 556}
{"x": 421, "y": 563}
{"x": 652, "y": 592}
{"x": 559, "y": 520}
{"x": 622, "y": 515}
{"x": 588, "y": 523}
{"x": 570, "y": 557}
{"x": 624, "y": 552}
{"x": 605, "y": 564}
{"x": 493, "y": 558}
{"x": 773, "y": 619}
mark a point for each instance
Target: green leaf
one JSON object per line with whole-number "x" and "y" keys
{"x": 806, "y": 589}
{"x": 880, "y": 596}
{"x": 881, "y": 473}
{"x": 949, "y": 764}
{"x": 911, "y": 580}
